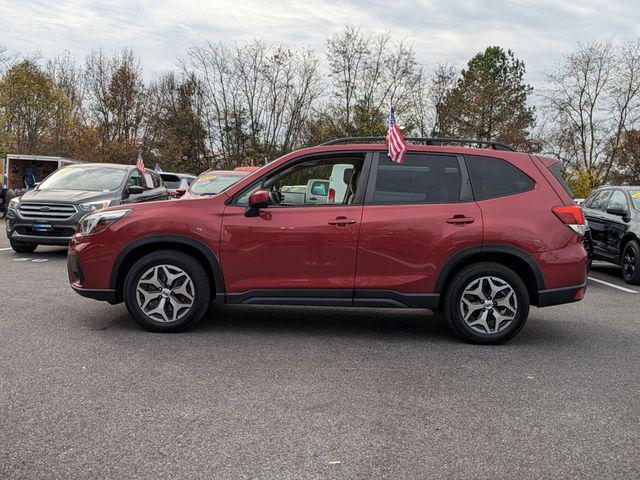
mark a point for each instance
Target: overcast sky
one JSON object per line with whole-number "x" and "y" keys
{"x": 162, "y": 31}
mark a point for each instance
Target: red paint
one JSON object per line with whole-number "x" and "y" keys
{"x": 290, "y": 247}
{"x": 404, "y": 247}
{"x": 395, "y": 247}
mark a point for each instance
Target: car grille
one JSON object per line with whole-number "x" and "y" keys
{"x": 48, "y": 211}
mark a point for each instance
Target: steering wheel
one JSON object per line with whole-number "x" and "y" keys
{"x": 275, "y": 197}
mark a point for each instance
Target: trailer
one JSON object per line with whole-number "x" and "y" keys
{"x": 23, "y": 171}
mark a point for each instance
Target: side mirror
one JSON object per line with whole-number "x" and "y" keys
{"x": 134, "y": 190}
{"x": 257, "y": 200}
{"x": 618, "y": 211}
{"x": 180, "y": 192}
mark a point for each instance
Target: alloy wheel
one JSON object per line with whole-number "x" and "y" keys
{"x": 629, "y": 263}
{"x": 488, "y": 305}
{"x": 165, "y": 293}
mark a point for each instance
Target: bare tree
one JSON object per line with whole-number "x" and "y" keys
{"x": 257, "y": 97}
{"x": 593, "y": 99}
{"x": 68, "y": 119}
{"x": 427, "y": 97}
{"x": 7, "y": 59}
{"x": 370, "y": 73}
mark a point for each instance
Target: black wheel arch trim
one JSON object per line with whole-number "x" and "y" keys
{"x": 465, "y": 253}
{"x": 172, "y": 239}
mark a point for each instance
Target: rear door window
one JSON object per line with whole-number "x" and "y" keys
{"x": 494, "y": 177}
{"x": 152, "y": 180}
{"x": 422, "y": 178}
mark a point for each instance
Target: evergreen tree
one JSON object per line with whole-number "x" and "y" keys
{"x": 489, "y": 101}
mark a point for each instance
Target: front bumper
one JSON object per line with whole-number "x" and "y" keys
{"x": 22, "y": 230}
{"x": 90, "y": 259}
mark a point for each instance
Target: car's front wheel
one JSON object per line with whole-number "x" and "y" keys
{"x": 486, "y": 303}
{"x": 167, "y": 291}
{"x": 631, "y": 262}
{"x": 23, "y": 247}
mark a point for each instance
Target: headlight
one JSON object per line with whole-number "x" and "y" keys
{"x": 91, "y": 206}
{"x": 99, "y": 221}
{"x": 13, "y": 203}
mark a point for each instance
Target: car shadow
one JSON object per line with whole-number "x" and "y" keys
{"x": 607, "y": 268}
{"x": 340, "y": 322}
{"x": 307, "y": 322}
{"x": 334, "y": 321}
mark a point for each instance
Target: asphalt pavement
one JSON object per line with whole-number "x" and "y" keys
{"x": 304, "y": 393}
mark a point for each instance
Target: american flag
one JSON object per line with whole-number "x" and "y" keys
{"x": 140, "y": 163}
{"x": 395, "y": 140}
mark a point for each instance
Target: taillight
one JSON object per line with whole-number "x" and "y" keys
{"x": 572, "y": 217}
{"x": 332, "y": 195}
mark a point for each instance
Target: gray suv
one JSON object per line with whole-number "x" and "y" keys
{"x": 48, "y": 214}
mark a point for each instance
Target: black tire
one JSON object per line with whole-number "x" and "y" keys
{"x": 466, "y": 278}
{"x": 175, "y": 260}
{"x": 21, "y": 247}
{"x": 631, "y": 262}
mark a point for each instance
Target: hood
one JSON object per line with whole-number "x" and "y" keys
{"x": 64, "y": 196}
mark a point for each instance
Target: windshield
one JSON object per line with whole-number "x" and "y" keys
{"x": 80, "y": 178}
{"x": 212, "y": 183}
{"x": 635, "y": 198}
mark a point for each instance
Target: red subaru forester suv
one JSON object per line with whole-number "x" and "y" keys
{"x": 477, "y": 233}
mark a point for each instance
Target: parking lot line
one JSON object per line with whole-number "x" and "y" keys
{"x": 7, "y": 248}
{"x": 628, "y": 290}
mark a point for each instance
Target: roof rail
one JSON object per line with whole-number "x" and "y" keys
{"x": 423, "y": 140}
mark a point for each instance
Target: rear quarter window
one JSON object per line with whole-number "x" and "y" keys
{"x": 556, "y": 171}
{"x": 494, "y": 177}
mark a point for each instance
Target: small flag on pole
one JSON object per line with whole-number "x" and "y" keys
{"x": 157, "y": 169}
{"x": 396, "y": 142}
{"x": 140, "y": 162}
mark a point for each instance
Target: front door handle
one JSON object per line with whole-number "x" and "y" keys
{"x": 460, "y": 220}
{"x": 341, "y": 221}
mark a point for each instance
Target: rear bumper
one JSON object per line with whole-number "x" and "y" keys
{"x": 102, "y": 295}
{"x": 558, "y": 296}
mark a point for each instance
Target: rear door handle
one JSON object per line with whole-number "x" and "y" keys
{"x": 460, "y": 220}
{"x": 341, "y": 221}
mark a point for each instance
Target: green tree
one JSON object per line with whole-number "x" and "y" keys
{"x": 30, "y": 106}
{"x": 489, "y": 101}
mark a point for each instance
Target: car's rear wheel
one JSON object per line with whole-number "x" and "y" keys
{"x": 167, "y": 291}
{"x": 486, "y": 303}
{"x": 631, "y": 262}
{"x": 22, "y": 247}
